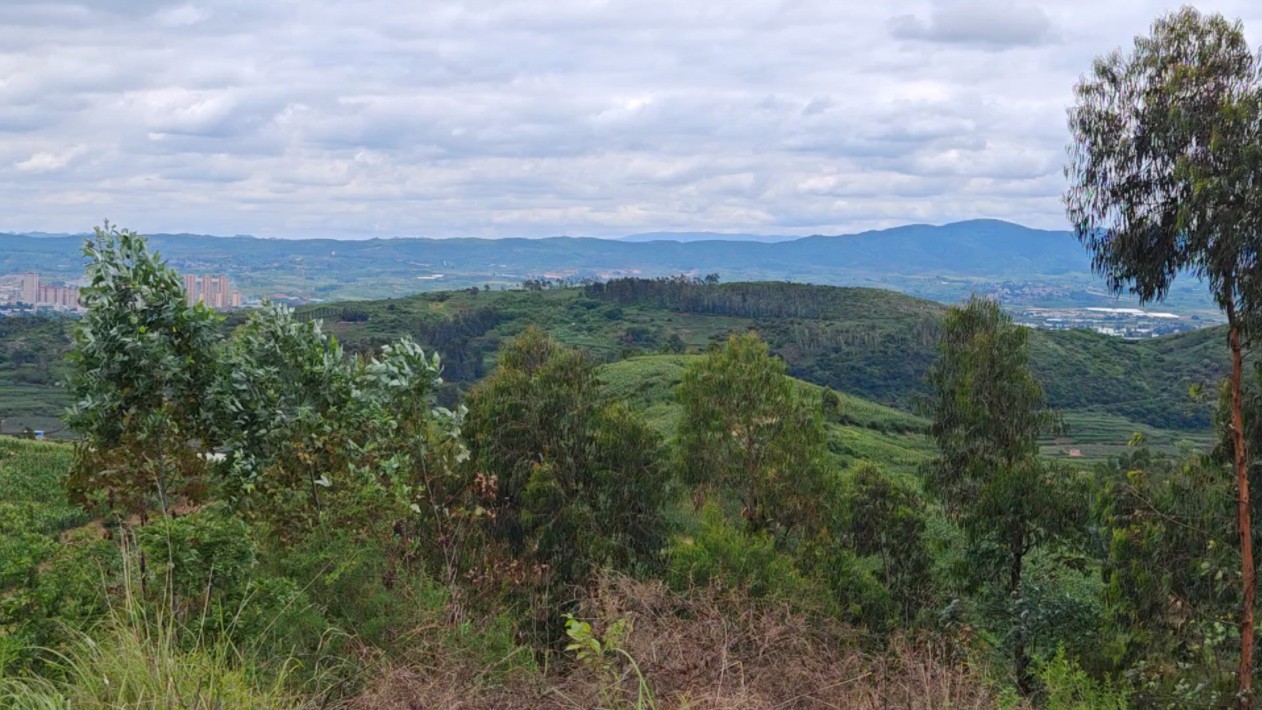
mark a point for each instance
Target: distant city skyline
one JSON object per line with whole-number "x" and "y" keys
{"x": 35, "y": 293}
{"x": 213, "y": 290}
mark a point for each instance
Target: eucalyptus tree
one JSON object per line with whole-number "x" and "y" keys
{"x": 142, "y": 369}
{"x": 988, "y": 413}
{"x": 572, "y": 481}
{"x": 747, "y": 432}
{"x": 1166, "y": 178}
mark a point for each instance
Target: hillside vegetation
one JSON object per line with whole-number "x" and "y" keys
{"x": 661, "y": 517}
{"x": 874, "y": 344}
{"x": 32, "y": 367}
{"x": 857, "y": 430}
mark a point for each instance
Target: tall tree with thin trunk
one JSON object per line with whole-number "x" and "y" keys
{"x": 988, "y": 413}
{"x": 1165, "y": 178}
{"x": 748, "y": 431}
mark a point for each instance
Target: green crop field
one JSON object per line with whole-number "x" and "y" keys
{"x": 33, "y": 505}
{"x": 1097, "y": 436}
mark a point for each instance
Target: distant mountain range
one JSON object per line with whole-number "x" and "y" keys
{"x": 978, "y": 247}
{"x": 943, "y": 263}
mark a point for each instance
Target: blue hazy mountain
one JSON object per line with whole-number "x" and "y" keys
{"x": 976, "y": 248}
{"x": 943, "y": 263}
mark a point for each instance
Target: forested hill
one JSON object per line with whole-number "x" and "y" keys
{"x": 872, "y": 343}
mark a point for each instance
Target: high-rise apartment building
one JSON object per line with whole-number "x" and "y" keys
{"x": 213, "y": 290}
{"x": 35, "y": 293}
{"x": 30, "y": 288}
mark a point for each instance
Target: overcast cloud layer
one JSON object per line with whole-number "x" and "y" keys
{"x": 542, "y": 117}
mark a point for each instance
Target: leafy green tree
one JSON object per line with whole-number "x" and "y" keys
{"x": 885, "y": 518}
{"x": 318, "y": 441}
{"x": 1166, "y": 154}
{"x": 830, "y": 404}
{"x": 574, "y": 480}
{"x": 1172, "y": 575}
{"x": 675, "y": 344}
{"x": 988, "y": 412}
{"x": 746, "y": 431}
{"x": 409, "y": 460}
{"x": 284, "y": 416}
{"x": 142, "y": 370}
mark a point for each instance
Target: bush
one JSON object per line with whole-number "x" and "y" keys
{"x": 884, "y": 520}
{"x": 1067, "y": 687}
{"x": 721, "y": 553}
{"x": 857, "y": 594}
{"x": 65, "y": 595}
{"x": 198, "y": 559}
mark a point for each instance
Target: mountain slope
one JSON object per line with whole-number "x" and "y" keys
{"x": 862, "y": 431}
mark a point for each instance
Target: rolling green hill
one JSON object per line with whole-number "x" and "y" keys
{"x": 873, "y": 344}
{"x": 862, "y": 430}
{"x": 32, "y": 364}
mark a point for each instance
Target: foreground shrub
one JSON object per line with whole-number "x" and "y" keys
{"x": 63, "y": 596}
{"x": 1066, "y": 686}
{"x": 722, "y": 554}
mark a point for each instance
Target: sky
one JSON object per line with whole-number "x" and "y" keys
{"x": 330, "y": 118}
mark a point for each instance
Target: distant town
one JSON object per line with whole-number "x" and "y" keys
{"x": 1122, "y": 322}
{"x": 30, "y": 292}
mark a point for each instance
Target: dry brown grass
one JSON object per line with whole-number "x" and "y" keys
{"x": 706, "y": 650}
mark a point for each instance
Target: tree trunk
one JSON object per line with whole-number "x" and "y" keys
{"x": 1243, "y": 514}
{"x": 1021, "y": 661}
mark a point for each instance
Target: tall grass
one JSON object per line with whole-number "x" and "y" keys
{"x": 144, "y": 666}
{"x": 140, "y": 657}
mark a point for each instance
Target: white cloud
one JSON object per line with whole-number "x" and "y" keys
{"x": 49, "y": 162}
{"x": 534, "y": 117}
